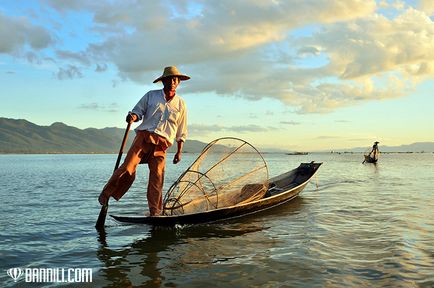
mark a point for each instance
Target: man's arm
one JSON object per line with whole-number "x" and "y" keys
{"x": 178, "y": 154}
{"x": 140, "y": 109}
{"x": 181, "y": 135}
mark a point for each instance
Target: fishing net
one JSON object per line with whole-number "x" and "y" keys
{"x": 228, "y": 172}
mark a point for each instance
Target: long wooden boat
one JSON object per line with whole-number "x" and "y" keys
{"x": 283, "y": 188}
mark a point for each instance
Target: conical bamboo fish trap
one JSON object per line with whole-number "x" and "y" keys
{"x": 228, "y": 172}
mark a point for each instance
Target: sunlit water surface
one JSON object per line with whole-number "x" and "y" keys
{"x": 364, "y": 226}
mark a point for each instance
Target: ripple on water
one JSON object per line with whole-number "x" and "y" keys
{"x": 364, "y": 226}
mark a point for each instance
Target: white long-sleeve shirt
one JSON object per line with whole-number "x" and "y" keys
{"x": 167, "y": 119}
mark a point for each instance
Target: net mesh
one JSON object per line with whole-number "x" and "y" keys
{"x": 228, "y": 172}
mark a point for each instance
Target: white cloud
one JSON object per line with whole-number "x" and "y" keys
{"x": 201, "y": 129}
{"x": 79, "y": 57}
{"x": 427, "y": 6}
{"x": 112, "y": 107}
{"x": 290, "y": 122}
{"x": 250, "y": 49}
{"x": 69, "y": 72}
{"x": 376, "y": 44}
{"x": 221, "y": 31}
{"x": 17, "y": 32}
{"x": 327, "y": 137}
{"x": 395, "y": 4}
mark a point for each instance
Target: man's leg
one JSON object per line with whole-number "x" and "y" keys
{"x": 124, "y": 176}
{"x": 156, "y": 166}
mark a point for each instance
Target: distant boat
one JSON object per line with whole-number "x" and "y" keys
{"x": 372, "y": 156}
{"x": 369, "y": 159}
{"x": 297, "y": 153}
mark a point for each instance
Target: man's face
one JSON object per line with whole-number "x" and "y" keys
{"x": 170, "y": 83}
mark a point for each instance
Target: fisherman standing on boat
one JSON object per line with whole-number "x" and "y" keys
{"x": 374, "y": 152}
{"x": 164, "y": 116}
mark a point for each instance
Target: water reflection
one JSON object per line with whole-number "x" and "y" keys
{"x": 143, "y": 261}
{"x": 294, "y": 206}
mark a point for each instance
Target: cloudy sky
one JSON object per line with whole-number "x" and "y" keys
{"x": 298, "y": 74}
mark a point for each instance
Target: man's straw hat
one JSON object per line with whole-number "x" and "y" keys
{"x": 172, "y": 71}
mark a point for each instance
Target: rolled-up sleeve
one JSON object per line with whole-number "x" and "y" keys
{"x": 181, "y": 133}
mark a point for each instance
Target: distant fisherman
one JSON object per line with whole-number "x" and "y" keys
{"x": 374, "y": 152}
{"x": 164, "y": 116}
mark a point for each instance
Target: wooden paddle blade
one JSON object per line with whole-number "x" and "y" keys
{"x": 101, "y": 218}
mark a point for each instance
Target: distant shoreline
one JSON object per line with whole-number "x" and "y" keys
{"x": 19, "y": 136}
{"x": 186, "y": 152}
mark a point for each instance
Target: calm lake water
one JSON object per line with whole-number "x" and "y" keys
{"x": 364, "y": 226}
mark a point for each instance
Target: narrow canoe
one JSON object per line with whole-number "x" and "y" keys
{"x": 369, "y": 159}
{"x": 283, "y": 188}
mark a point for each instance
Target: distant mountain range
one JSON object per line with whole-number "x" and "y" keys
{"x": 414, "y": 147}
{"x": 22, "y": 136}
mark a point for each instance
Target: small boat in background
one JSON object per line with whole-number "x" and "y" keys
{"x": 297, "y": 153}
{"x": 369, "y": 159}
{"x": 372, "y": 156}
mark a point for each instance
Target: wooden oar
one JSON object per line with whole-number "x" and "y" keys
{"x": 103, "y": 213}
